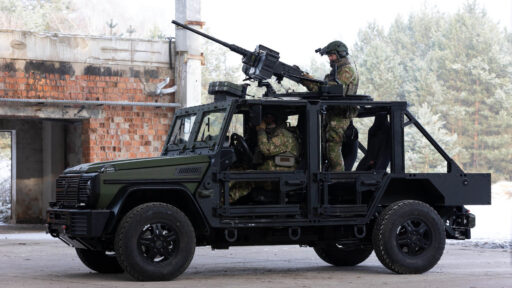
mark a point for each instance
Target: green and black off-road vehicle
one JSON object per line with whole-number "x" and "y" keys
{"x": 146, "y": 216}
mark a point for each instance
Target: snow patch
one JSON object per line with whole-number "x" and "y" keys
{"x": 494, "y": 222}
{"x": 486, "y": 244}
{"x": 27, "y": 236}
{"x": 5, "y": 189}
{"x": 5, "y": 212}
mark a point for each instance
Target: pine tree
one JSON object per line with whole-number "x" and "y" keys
{"x": 111, "y": 26}
{"x": 217, "y": 68}
{"x": 130, "y": 30}
{"x": 38, "y": 16}
{"x": 461, "y": 66}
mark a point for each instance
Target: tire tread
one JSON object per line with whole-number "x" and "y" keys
{"x": 382, "y": 224}
{"x": 121, "y": 234}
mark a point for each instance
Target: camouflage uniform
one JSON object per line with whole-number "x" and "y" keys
{"x": 338, "y": 120}
{"x": 339, "y": 117}
{"x": 275, "y": 142}
{"x": 239, "y": 189}
{"x": 346, "y": 74}
{"x": 271, "y": 142}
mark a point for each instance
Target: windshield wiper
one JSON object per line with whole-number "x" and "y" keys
{"x": 208, "y": 136}
{"x": 202, "y": 137}
{"x": 176, "y": 136}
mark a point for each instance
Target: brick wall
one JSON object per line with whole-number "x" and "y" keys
{"x": 120, "y": 131}
{"x": 126, "y": 132}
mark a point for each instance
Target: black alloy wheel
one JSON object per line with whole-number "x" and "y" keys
{"x": 158, "y": 242}
{"x": 409, "y": 237}
{"x": 155, "y": 242}
{"x": 414, "y": 237}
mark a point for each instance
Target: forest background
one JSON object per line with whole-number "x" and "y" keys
{"x": 454, "y": 70}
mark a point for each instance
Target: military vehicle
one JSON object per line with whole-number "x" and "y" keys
{"x": 146, "y": 216}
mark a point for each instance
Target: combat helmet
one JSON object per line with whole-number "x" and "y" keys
{"x": 335, "y": 47}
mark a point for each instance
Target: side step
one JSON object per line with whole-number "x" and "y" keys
{"x": 343, "y": 210}
{"x": 259, "y": 210}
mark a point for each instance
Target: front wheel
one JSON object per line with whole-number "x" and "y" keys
{"x": 155, "y": 242}
{"x": 99, "y": 261}
{"x": 337, "y": 255}
{"x": 409, "y": 237}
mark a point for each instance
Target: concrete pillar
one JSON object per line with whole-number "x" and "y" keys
{"x": 54, "y": 157}
{"x": 47, "y": 167}
{"x": 189, "y": 53}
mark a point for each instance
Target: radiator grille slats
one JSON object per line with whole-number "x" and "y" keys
{"x": 71, "y": 189}
{"x": 67, "y": 189}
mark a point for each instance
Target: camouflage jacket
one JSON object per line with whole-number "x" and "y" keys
{"x": 344, "y": 72}
{"x": 276, "y": 142}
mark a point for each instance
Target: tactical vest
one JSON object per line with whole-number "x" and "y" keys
{"x": 351, "y": 88}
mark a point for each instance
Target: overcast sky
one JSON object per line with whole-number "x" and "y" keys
{"x": 294, "y": 28}
{"x": 297, "y": 28}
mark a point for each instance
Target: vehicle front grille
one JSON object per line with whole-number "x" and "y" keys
{"x": 71, "y": 190}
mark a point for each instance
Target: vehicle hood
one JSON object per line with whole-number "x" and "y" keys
{"x": 138, "y": 163}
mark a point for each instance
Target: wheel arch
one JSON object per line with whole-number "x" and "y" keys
{"x": 175, "y": 195}
{"x": 412, "y": 189}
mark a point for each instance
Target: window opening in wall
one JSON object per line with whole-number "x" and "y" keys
{"x": 6, "y": 175}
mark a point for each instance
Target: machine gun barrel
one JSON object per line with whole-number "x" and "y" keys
{"x": 232, "y": 47}
{"x": 260, "y": 64}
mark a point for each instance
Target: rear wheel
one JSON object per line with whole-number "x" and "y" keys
{"x": 409, "y": 237}
{"x": 338, "y": 255}
{"x": 99, "y": 261}
{"x": 155, "y": 242}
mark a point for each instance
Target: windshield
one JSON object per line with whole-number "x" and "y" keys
{"x": 211, "y": 126}
{"x": 182, "y": 129}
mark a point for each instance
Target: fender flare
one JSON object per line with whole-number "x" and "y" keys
{"x": 119, "y": 202}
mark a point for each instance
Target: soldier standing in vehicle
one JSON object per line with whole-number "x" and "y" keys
{"x": 338, "y": 117}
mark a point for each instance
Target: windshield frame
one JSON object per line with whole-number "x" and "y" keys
{"x": 192, "y": 142}
{"x": 177, "y": 121}
{"x": 199, "y": 141}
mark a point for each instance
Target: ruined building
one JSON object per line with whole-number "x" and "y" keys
{"x": 70, "y": 99}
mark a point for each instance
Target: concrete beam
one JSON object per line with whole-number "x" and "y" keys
{"x": 52, "y": 112}
{"x": 93, "y": 50}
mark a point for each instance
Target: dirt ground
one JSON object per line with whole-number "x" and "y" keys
{"x": 32, "y": 259}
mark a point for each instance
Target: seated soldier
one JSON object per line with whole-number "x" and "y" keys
{"x": 277, "y": 146}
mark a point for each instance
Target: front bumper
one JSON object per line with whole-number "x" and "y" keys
{"x": 77, "y": 223}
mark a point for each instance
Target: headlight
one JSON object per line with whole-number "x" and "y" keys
{"x": 89, "y": 187}
{"x": 88, "y": 190}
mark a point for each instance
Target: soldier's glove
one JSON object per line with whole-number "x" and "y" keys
{"x": 306, "y": 75}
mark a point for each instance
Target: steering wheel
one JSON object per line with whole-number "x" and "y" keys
{"x": 242, "y": 151}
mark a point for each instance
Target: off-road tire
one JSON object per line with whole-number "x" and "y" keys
{"x": 341, "y": 256}
{"x": 131, "y": 253}
{"x": 392, "y": 227}
{"x": 99, "y": 261}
